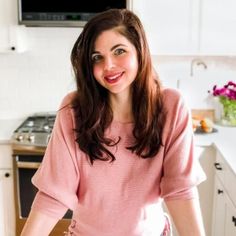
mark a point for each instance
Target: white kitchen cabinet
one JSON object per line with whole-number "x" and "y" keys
{"x": 7, "y": 212}
{"x": 187, "y": 27}
{"x": 12, "y": 35}
{"x": 206, "y": 156}
{"x": 230, "y": 219}
{"x": 7, "y": 219}
{"x": 224, "y": 211}
{"x": 230, "y": 180}
{"x": 171, "y": 26}
{"x": 218, "y": 27}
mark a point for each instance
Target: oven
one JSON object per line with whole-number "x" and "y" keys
{"x": 27, "y": 157}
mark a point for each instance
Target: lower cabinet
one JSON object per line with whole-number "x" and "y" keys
{"x": 224, "y": 210}
{"x": 7, "y": 220}
{"x": 230, "y": 219}
{"x": 7, "y": 206}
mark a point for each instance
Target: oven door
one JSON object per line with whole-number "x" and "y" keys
{"x": 26, "y": 166}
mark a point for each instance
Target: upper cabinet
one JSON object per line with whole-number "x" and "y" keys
{"x": 12, "y": 35}
{"x": 189, "y": 27}
{"x": 218, "y": 27}
{"x": 170, "y": 25}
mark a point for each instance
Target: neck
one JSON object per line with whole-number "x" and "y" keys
{"x": 122, "y": 108}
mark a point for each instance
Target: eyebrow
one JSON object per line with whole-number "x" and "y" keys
{"x": 112, "y": 48}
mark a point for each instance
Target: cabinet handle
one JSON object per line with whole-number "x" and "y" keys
{"x": 234, "y": 220}
{"x": 7, "y": 175}
{"x": 219, "y": 191}
{"x": 217, "y": 166}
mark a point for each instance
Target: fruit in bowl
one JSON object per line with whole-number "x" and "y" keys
{"x": 204, "y": 125}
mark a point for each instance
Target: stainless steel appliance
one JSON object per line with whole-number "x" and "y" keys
{"x": 29, "y": 142}
{"x": 35, "y": 130}
{"x": 64, "y": 13}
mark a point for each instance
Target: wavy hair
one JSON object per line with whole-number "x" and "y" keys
{"x": 93, "y": 113}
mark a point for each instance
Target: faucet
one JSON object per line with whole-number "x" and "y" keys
{"x": 198, "y": 62}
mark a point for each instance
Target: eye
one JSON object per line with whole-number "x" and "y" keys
{"x": 96, "y": 58}
{"x": 119, "y": 51}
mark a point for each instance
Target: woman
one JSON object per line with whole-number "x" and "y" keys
{"x": 121, "y": 143}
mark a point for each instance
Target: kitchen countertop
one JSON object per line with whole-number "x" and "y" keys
{"x": 223, "y": 140}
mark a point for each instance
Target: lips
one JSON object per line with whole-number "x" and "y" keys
{"x": 113, "y": 78}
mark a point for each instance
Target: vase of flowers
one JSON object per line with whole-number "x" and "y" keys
{"x": 227, "y": 98}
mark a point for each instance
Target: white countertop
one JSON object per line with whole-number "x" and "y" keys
{"x": 225, "y": 142}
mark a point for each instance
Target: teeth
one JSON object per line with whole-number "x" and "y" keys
{"x": 113, "y": 77}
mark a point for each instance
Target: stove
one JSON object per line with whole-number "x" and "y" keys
{"x": 29, "y": 144}
{"x": 35, "y": 130}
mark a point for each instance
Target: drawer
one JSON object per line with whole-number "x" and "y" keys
{"x": 220, "y": 167}
{"x": 5, "y": 156}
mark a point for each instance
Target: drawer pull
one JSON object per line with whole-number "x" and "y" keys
{"x": 217, "y": 166}
{"x": 27, "y": 165}
{"x": 219, "y": 191}
{"x": 234, "y": 220}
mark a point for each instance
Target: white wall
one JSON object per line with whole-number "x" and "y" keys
{"x": 175, "y": 71}
{"x": 37, "y": 80}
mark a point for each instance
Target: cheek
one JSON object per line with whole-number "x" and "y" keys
{"x": 132, "y": 64}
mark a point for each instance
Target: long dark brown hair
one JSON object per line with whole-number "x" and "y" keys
{"x": 93, "y": 113}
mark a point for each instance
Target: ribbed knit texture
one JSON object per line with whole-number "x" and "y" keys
{"x": 120, "y": 198}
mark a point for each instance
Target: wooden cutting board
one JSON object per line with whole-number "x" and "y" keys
{"x": 200, "y": 114}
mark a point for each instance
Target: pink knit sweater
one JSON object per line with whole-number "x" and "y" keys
{"x": 121, "y": 198}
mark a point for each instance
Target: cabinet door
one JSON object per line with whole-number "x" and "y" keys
{"x": 170, "y": 25}
{"x": 219, "y": 210}
{"x": 5, "y": 19}
{"x": 230, "y": 224}
{"x": 12, "y": 36}
{"x": 218, "y": 27}
{"x": 7, "y": 213}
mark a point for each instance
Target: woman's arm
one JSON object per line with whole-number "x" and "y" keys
{"x": 38, "y": 224}
{"x": 187, "y": 217}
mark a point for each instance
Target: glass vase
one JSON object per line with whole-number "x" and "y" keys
{"x": 228, "y": 117}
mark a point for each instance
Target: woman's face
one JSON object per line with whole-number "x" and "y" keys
{"x": 115, "y": 62}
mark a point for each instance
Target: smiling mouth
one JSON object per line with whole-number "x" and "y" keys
{"x": 114, "y": 78}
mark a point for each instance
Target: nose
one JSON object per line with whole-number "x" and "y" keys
{"x": 108, "y": 63}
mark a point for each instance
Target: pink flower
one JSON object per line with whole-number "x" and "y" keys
{"x": 228, "y": 91}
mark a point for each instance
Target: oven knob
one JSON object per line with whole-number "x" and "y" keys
{"x": 20, "y": 137}
{"x": 46, "y": 127}
{"x": 31, "y": 138}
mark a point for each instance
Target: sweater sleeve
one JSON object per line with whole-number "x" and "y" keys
{"x": 57, "y": 178}
{"x": 181, "y": 169}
